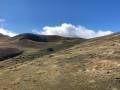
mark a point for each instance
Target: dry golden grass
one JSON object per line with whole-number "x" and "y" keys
{"x": 91, "y": 65}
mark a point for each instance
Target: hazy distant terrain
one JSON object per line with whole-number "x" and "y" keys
{"x": 35, "y": 62}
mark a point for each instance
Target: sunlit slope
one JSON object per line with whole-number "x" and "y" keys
{"x": 91, "y": 65}
{"x": 32, "y": 42}
{"x": 28, "y": 42}
{"x": 3, "y": 37}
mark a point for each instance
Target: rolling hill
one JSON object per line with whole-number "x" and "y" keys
{"x": 28, "y": 41}
{"x": 3, "y": 37}
{"x": 22, "y": 45}
{"x": 72, "y": 64}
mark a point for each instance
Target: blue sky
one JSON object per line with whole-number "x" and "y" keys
{"x": 23, "y": 16}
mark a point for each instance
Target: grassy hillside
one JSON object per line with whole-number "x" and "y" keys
{"x": 31, "y": 42}
{"x": 28, "y": 46}
{"x": 6, "y": 53}
{"x": 3, "y": 37}
{"x": 92, "y": 64}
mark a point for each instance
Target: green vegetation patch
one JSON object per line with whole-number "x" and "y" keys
{"x": 47, "y": 51}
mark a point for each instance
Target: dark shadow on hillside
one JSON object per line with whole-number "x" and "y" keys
{"x": 10, "y": 56}
{"x": 6, "y": 53}
{"x": 33, "y": 38}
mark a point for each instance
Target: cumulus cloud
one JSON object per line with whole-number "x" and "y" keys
{"x": 4, "y": 31}
{"x": 69, "y": 30}
{"x": 7, "y": 32}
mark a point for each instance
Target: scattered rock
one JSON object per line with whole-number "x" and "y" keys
{"x": 107, "y": 72}
{"x": 91, "y": 55}
{"x": 1, "y": 66}
{"x": 50, "y": 56}
{"x": 118, "y": 79}
{"x": 5, "y": 89}
{"x": 50, "y": 49}
{"x": 113, "y": 45}
{"x": 26, "y": 80}
{"x": 32, "y": 64}
{"x": 84, "y": 69}
{"x": 34, "y": 80}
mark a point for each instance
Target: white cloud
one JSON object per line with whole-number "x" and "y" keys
{"x": 69, "y": 30}
{"x": 7, "y": 32}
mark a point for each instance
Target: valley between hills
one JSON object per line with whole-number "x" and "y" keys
{"x": 43, "y": 62}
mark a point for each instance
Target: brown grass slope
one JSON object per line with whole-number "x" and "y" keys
{"x": 25, "y": 43}
{"x": 6, "y": 53}
{"x": 3, "y": 37}
{"x": 28, "y": 42}
{"x": 40, "y": 38}
{"x": 91, "y": 65}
